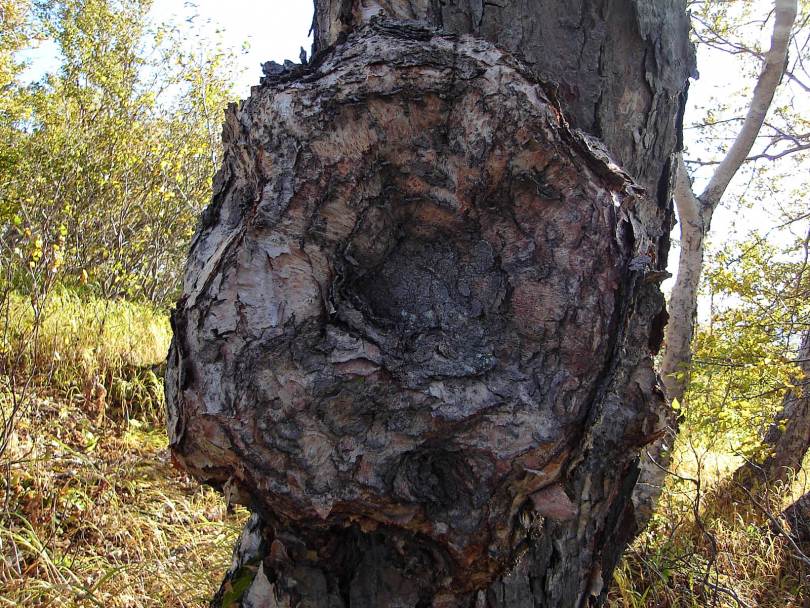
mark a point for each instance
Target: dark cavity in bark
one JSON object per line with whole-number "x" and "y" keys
{"x": 415, "y": 334}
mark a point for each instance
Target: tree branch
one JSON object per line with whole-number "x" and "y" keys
{"x": 695, "y": 213}
{"x": 769, "y": 78}
{"x": 764, "y": 155}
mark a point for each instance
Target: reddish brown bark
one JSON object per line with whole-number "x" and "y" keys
{"x": 417, "y": 330}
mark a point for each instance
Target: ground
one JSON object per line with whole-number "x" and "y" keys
{"x": 96, "y": 515}
{"x": 93, "y": 512}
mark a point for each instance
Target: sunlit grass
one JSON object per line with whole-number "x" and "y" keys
{"x": 100, "y": 350}
{"x": 82, "y": 335}
{"x": 716, "y": 547}
{"x": 93, "y": 512}
{"x": 97, "y": 516}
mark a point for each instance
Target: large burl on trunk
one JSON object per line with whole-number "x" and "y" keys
{"x": 417, "y": 327}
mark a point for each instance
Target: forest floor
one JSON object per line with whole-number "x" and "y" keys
{"x": 96, "y": 515}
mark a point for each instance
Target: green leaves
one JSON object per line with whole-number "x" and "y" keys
{"x": 111, "y": 162}
{"x": 743, "y": 358}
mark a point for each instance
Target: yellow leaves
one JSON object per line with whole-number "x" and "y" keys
{"x": 738, "y": 378}
{"x": 116, "y": 156}
{"x": 742, "y": 359}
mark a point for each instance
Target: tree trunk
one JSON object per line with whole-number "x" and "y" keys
{"x": 696, "y": 211}
{"x": 797, "y": 516}
{"x": 695, "y": 215}
{"x": 694, "y": 222}
{"x": 419, "y": 316}
{"x": 788, "y": 438}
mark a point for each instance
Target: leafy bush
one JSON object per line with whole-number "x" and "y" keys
{"x": 744, "y": 356}
{"x": 106, "y": 164}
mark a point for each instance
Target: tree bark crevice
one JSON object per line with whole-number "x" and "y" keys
{"x": 417, "y": 326}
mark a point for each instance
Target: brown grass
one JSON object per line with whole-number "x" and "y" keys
{"x": 715, "y": 547}
{"x": 97, "y": 516}
{"x": 94, "y": 514}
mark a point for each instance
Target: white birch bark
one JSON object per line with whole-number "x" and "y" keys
{"x": 695, "y": 212}
{"x": 695, "y": 216}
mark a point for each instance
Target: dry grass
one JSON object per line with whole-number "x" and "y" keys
{"x": 79, "y": 339}
{"x": 97, "y": 516}
{"x": 712, "y": 544}
{"x": 94, "y": 514}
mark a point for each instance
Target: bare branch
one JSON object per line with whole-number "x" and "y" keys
{"x": 764, "y": 155}
{"x": 781, "y": 154}
{"x": 769, "y": 79}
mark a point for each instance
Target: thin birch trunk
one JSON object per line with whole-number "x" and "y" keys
{"x": 698, "y": 210}
{"x": 695, "y": 216}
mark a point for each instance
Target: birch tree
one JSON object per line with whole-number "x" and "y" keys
{"x": 419, "y": 316}
{"x": 695, "y": 211}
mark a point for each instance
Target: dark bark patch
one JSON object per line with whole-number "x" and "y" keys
{"x": 405, "y": 314}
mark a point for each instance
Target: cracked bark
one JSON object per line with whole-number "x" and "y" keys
{"x": 797, "y": 516}
{"x": 419, "y": 316}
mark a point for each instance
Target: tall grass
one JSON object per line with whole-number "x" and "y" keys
{"x": 712, "y": 543}
{"x": 84, "y": 337}
{"x": 106, "y": 351}
{"x": 92, "y": 512}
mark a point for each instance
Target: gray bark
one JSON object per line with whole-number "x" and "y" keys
{"x": 419, "y": 316}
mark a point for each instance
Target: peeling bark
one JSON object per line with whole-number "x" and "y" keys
{"x": 694, "y": 222}
{"x": 418, "y": 319}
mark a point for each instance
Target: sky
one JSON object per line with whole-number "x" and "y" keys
{"x": 275, "y": 29}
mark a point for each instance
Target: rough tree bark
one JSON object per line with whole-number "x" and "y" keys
{"x": 788, "y": 438}
{"x": 418, "y": 319}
